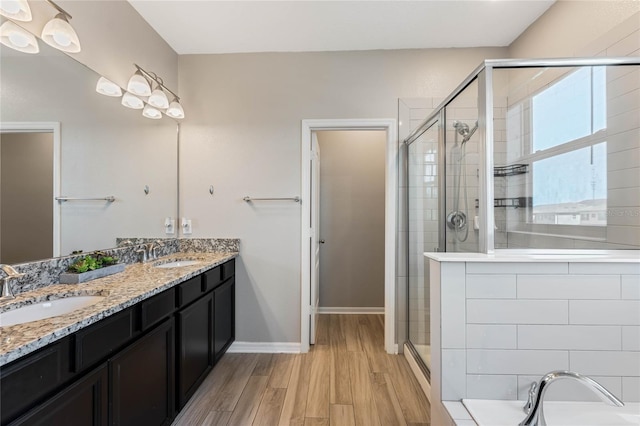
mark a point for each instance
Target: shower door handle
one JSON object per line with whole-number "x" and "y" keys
{"x": 321, "y": 241}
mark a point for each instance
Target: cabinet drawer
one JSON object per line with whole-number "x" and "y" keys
{"x": 228, "y": 269}
{"x": 99, "y": 340}
{"x": 189, "y": 291}
{"x": 212, "y": 278}
{"x": 157, "y": 308}
{"x": 26, "y": 381}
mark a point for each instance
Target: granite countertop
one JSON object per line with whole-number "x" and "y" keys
{"x": 136, "y": 283}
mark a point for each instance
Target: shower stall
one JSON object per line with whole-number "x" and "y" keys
{"x": 534, "y": 155}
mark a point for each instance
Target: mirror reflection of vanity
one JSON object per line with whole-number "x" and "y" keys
{"x": 88, "y": 147}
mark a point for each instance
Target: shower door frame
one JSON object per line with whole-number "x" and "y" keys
{"x": 439, "y": 120}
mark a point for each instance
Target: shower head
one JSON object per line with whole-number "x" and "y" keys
{"x": 461, "y": 128}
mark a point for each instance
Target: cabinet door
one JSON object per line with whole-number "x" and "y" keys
{"x": 142, "y": 386}
{"x": 81, "y": 404}
{"x": 225, "y": 315}
{"x": 195, "y": 346}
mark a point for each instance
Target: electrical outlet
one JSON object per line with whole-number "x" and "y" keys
{"x": 186, "y": 226}
{"x": 169, "y": 226}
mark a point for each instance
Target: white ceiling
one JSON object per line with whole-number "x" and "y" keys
{"x": 211, "y": 26}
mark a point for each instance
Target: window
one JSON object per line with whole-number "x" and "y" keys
{"x": 568, "y": 150}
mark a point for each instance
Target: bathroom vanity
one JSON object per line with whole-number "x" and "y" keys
{"x": 134, "y": 358}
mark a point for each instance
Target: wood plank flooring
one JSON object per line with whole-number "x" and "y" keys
{"x": 346, "y": 379}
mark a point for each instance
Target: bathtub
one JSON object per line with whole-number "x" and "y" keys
{"x": 557, "y": 413}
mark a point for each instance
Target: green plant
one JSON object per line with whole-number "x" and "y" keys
{"x": 92, "y": 262}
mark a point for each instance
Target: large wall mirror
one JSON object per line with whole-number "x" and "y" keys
{"x": 59, "y": 138}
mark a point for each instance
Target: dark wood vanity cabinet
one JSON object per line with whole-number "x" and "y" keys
{"x": 142, "y": 380}
{"x": 84, "y": 403}
{"x": 139, "y": 366}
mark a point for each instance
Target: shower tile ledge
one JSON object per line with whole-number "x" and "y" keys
{"x": 543, "y": 256}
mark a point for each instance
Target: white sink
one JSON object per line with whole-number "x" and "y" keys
{"x": 47, "y": 309}
{"x": 177, "y": 264}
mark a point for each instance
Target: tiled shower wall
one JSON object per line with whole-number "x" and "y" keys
{"x": 505, "y": 325}
{"x": 512, "y": 137}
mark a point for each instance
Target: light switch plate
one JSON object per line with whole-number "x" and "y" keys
{"x": 186, "y": 226}
{"x": 169, "y": 226}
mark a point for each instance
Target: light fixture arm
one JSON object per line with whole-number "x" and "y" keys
{"x": 153, "y": 76}
{"x": 59, "y": 9}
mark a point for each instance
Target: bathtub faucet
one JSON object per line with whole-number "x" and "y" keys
{"x": 535, "y": 414}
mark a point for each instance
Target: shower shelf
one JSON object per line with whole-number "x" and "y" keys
{"x": 511, "y": 170}
{"x": 511, "y": 202}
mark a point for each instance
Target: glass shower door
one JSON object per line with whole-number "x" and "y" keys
{"x": 423, "y": 220}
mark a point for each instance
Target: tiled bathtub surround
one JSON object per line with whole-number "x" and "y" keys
{"x": 505, "y": 321}
{"x": 45, "y": 272}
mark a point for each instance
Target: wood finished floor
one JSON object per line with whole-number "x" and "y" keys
{"x": 346, "y": 379}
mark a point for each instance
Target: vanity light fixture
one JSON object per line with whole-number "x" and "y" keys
{"x": 158, "y": 99}
{"x": 151, "y": 112}
{"x": 132, "y": 101}
{"x": 175, "y": 110}
{"x": 139, "y": 85}
{"x": 59, "y": 33}
{"x": 18, "y": 10}
{"x": 17, "y": 38}
{"x": 108, "y": 88}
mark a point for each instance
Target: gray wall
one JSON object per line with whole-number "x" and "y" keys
{"x": 27, "y": 196}
{"x": 243, "y": 136}
{"x": 352, "y": 185}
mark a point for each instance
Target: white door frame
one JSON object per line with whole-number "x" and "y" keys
{"x": 45, "y": 127}
{"x": 390, "y": 218}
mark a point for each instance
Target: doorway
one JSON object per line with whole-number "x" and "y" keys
{"x": 310, "y": 237}
{"x": 29, "y": 183}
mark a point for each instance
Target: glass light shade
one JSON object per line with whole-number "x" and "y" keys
{"x": 138, "y": 85}
{"x": 17, "y": 10}
{"x": 159, "y": 99}
{"x": 16, "y": 37}
{"x": 108, "y": 88}
{"x": 175, "y": 110}
{"x": 60, "y": 34}
{"x": 151, "y": 112}
{"x": 131, "y": 101}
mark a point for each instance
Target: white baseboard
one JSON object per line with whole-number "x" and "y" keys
{"x": 422, "y": 380}
{"x": 341, "y": 310}
{"x": 264, "y": 347}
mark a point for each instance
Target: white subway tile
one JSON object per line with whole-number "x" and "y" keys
{"x": 568, "y": 287}
{"x": 624, "y": 234}
{"x": 604, "y": 268}
{"x": 631, "y": 389}
{"x": 453, "y": 305}
{"x": 623, "y": 197}
{"x": 627, "y": 159}
{"x": 630, "y": 338}
{"x": 492, "y": 386}
{"x": 481, "y": 311}
{"x": 454, "y": 382}
{"x": 569, "y": 390}
{"x": 631, "y": 287}
{"x": 483, "y": 361}
{"x": 625, "y": 178}
{"x": 491, "y": 336}
{"x": 516, "y": 268}
{"x": 604, "y": 312}
{"x": 625, "y": 216}
{"x": 567, "y": 337}
{"x": 624, "y": 47}
{"x": 625, "y": 102}
{"x": 605, "y": 363}
{"x": 481, "y": 286}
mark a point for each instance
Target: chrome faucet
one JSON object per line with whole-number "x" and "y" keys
{"x": 6, "y": 287}
{"x": 534, "y": 408}
{"x": 149, "y": 251}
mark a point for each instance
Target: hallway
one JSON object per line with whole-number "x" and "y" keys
{"x": 346, "y": 379}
